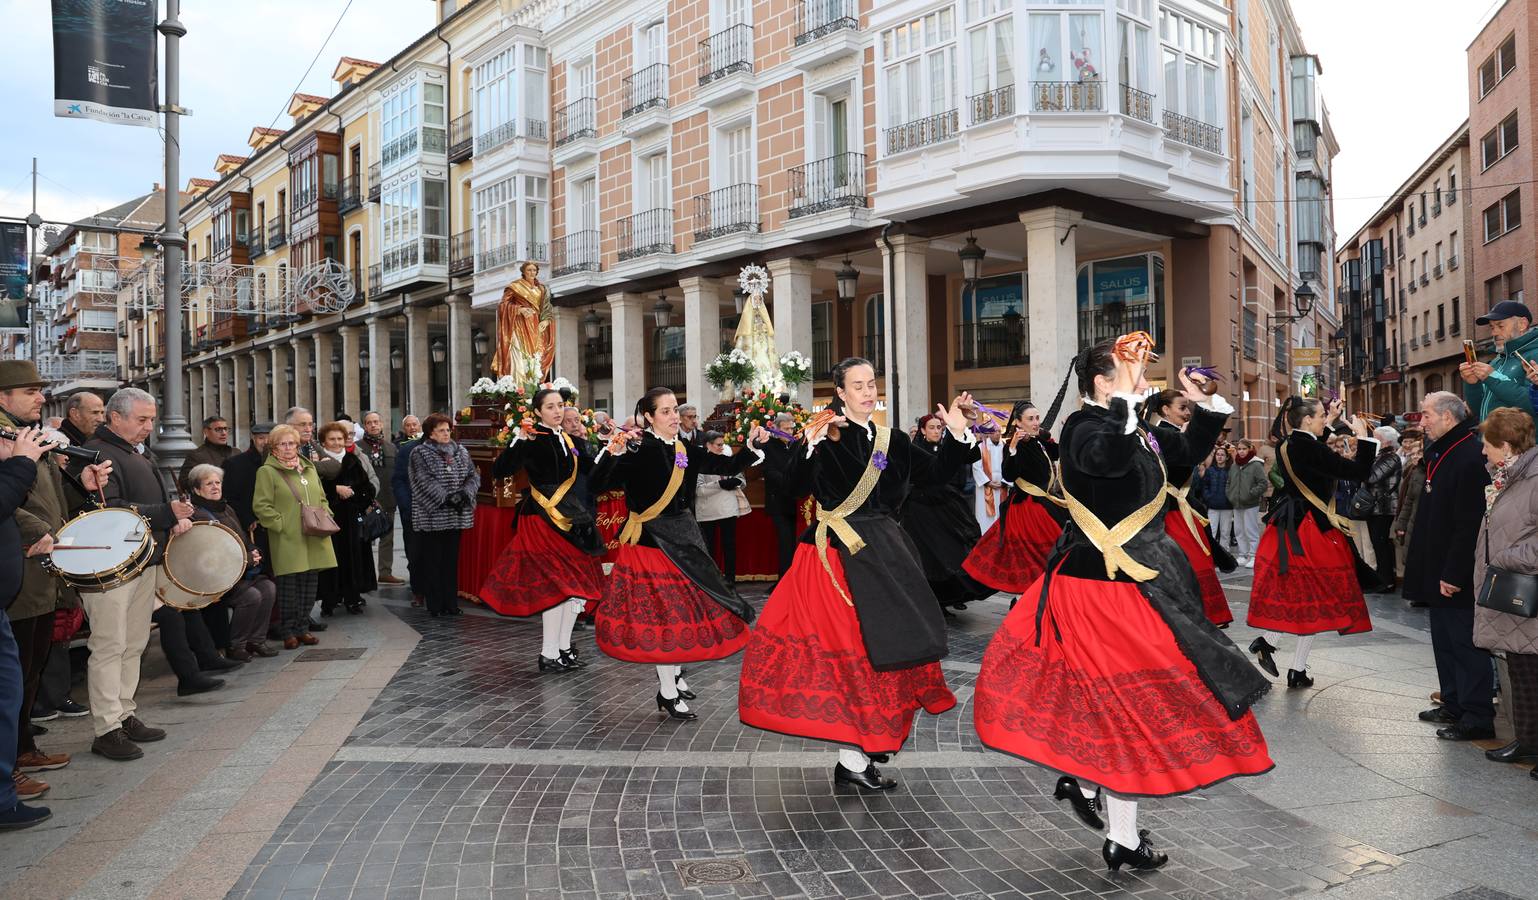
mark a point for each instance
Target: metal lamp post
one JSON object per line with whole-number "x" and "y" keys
{"x": 175, "y": 441}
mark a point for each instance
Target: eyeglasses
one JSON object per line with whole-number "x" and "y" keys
{"x": 219, "y": 428}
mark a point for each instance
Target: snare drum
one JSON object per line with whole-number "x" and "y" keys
{"x": 114, "y": 546}
{"x": 200, "y": 564}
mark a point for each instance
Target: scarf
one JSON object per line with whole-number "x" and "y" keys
{"x": 337, "y": 456}
{"x": 1497, "y": 481}
{"x": 990, "y": 503}
{"x": 213, "y": 506}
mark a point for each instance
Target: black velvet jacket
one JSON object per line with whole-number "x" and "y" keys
{"x": 548, "y": 462}
{"x": 836, "y": 465}
{"x": 1319, "y": 467}
{"x": 1032, "y": 461}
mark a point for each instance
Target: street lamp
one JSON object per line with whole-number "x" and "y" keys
{"x": 336, "y": 365}
{"x": 363, "y": 358}
{"x": 971, "y": 260}
{"x": 662, "y": 311}
{"x": 312, "y": 367}
{"x": 250, "y": 381}
{"x": 592, "y": 325}
{"x": 479, "y": 342}
{"x": 848, "y": 281}
{"x": 1302, "y": 304}
{"x": 397, "y": 359}
{"x": 739, "y": 297}
{"x": 288, "y": 371}
{"x": 440, "y": 350}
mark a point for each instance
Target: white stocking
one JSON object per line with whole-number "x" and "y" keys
{"x": 1123, "y": 825}
{"x": 550, "y": 621}
{"x": 1274, "y": 638}
{"x": 1300, "y": 652}
{"x": 667, "y": 684}
{"x": 569, "y": 611}
{"x": 679, "y": 671}
{"x": 853, "y": 760}
{"x": 1088, "y": 790}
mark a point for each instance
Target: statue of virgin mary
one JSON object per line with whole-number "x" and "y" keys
{"x": 755, "y": 331}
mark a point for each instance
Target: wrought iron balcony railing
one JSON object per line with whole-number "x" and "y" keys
{"x": 645, "y": 233}
{"x": 921, "y": 132}
{"x": 1193, "y": 132}
{"x": 349, "y": 198}
{"x": 728, "y": 210}
{"x": 838, "y": 181}
{"x": 496, "y": 257}
{"x": 461, "y": 138}
{"x": 1137, "y": 104}
{"x": 462, "y": 253}
{"x": 576, "y": 120}
{"x": 646, "y": 88}
{"x": 1067, "y": 96}
{"x": 726, "y": 52}
{"x": 575, "y": 252}
{"x": 994, "y": 104}
{"x": 820, "y": 18}
{"x": 275, "y": 235}
{"x": 373, "y": 182}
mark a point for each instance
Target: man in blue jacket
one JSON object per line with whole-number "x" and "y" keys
{"x": 1501, "y": 381}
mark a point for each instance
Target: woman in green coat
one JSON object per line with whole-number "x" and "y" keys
{"x": 285, "y": 480}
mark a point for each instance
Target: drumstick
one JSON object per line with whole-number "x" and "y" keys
{"x": 57, "y": 548}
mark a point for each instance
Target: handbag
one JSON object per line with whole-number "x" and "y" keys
{"x": 374, "y": 523}
{"x": 313, "y": 520}
{"x": 1363, "y": 501}
{"x": 1514, "y": 593}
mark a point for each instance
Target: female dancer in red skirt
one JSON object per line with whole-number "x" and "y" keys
{"x": 1113, "y": 675}
{"x": 1168, "y": 412}
{"x": 849, "y": 644}
{"x": 665, "y": 602}
{"x": 1305, "y": 569}
{"x": 1014, "y": 552}
{"x": 551, "y": 566}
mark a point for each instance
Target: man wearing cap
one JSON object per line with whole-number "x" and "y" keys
{"x": 39, "y": 518}
{"x": 1501, "y": 381}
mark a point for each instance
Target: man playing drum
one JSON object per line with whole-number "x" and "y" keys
{"x": 120, "y": 617}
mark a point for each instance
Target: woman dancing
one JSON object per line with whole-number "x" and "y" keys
{"x": 1169, "y": 412}
{"x": 937, "y": 516}
{"x": 1305, "y": 568}
{"x": 849, "y": 644}
{"x": 1113, "y": 675}
{"x": 665, "y": 602}
{"x": 551, "y": 566}
{"x": 1013, "y": 553}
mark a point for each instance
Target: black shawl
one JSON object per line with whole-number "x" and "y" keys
{"x": 547, "y": 460}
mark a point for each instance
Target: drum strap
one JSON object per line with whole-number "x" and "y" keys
{"x": 631, "y": 533}
{"x": 837, "y": 518}
{"x": 550, "y": 503}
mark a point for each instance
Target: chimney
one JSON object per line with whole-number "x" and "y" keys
{"x": 351, "y": 70}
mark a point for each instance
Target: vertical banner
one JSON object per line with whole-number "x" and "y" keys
{"x": 104, "y": 61}
{"x": 13, "y": 275}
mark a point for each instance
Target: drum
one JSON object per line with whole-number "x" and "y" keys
{"x": 101, "y": 549}
{"x": 200, "y": 564}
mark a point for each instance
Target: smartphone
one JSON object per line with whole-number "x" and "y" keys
{"x": 1469, "y": 355}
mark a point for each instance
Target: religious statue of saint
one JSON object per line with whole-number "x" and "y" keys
{"x": 755, "y": 333}
{"x": 525, "y": 330}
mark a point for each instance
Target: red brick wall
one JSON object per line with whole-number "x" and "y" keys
{"x": 1514, "y": 93}
{"x": 782, "y": 142}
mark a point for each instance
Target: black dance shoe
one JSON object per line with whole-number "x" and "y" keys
{"x": 869, "y": 780}
{"x": 1143, "y": 858}
{"x": 1086, "y": 808}
{"x": 1298, "y": 678}
{"x": 1263, "y": 650}
{"x": 569, "y": 659}
{"x": 882, "y": 758}
{"x": 558, "y": 664}
{"x": 683, "y": 692}
{"x": 671, "y": 708}
{"x": 1514, "y": 752}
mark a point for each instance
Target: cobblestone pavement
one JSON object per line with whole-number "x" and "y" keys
{"x": 441, "y": 765}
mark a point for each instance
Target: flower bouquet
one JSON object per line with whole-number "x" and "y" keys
{"x": 795, "y": 369}
{"x": 760, "y": 408}
{"x": 733, "y": 367}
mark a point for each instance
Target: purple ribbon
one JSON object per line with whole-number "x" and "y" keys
{"x": 681, "y": 460}
{"x": 879, "y": 460}
{"x": 1153, "y": 442}
{"x": 1204, "y": 371}
{"x": 778, "y": 433}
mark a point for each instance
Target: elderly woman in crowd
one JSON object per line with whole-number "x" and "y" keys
{"x": 250, "y": 601}
{"x": 1508, "y": 540}
{"x": 285, "y": 482}
{"x": 443, "y": 486}
{"x": 1382, "y": 485}
{"x": 349, "y": 492}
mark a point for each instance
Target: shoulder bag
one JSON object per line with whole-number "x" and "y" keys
{"x": 313, "y": 520}
{"x": 1508, "y": 592}
{"x": 374, "y": 523}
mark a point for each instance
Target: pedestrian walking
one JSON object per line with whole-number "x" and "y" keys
{"x": 1247, "y": 486}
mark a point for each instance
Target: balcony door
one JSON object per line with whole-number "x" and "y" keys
{"x": 582, "y": 81}
{"x": 830, "y": 166}
{"x": 654, "y": 47}
{"x": 735, "y": 160}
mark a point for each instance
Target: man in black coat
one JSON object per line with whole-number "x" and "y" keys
{"x": 1439, "y": 567}
{"x": 240, "y": 476}
{"x": 779, "y": 494}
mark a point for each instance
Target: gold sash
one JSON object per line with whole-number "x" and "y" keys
{"x": 1336, "y": 519}
{"x": 836, "y": 518}
{"x": 1054, "y": 481}
{"x": 549, "y": 503}
{"x": 1026, "y": 487}
{"x": 1109, "y": 541}
{"x": 631, "y": 533}
{"x": 1189, "y": 513}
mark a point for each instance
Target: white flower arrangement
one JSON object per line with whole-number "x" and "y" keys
{"x": 562, "y": 384}
{"x": 483, "y": 387}
{"x": 734, "y": 367}
{"x": 795, "y": 368}
{"x": 754, "y": 279}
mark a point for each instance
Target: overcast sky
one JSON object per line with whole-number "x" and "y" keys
{"x": 1395, "y": 82}
{"x": 240, "y": 63}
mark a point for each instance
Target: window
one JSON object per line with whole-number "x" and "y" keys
{"x": 581, "y": 81}
{"x": 875, "y": 331}
{"x": 1503, "y": 216}
{"x": 654, "y": 190}
{"x": 1498, "y": 65}
{"x": 1117, "y": 296}
{"x": 920, "y": 67}
{"x": 536, "y": 217}
{"x": 734, "y": 159}
{"x": 96, "y": 242}
{"x": 830, "y": 123}
{"x": 495, "y": 230}
{"x": 1136, "y": 59}
{"x": 1441, "y": 321}
{"x": 654, "y": 45}
{"x": 1457, "y": 319}
{"x": 992, "y": 49}
{"x": 1247, "y": 162}
{"x": 1452, "y": 186}
{"x": 1439, "y": 256}
{"x": 1506, "y": 286}
{"x": 995, "y": 323}
{"x": 1278, "y": 206}
{"x": 822, "y": 339}
{"x": 582, "y": 208}
{"x": 496, "y": 98}
{"x": 398, "y": 123}
{"x": 96, "y": 319}
{"x": 1500, "y": 141}
{"x": 1190, "y": 68}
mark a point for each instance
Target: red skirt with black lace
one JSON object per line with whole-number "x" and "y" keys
{"x": 1106, "y": 696}
{"x": 1197, "y": 549}
{"x": 539, "y": 569}
{"x": 806, "y": 672}
{"x": 652, "y": 613}
{"x": 1319, "y": 592}
{"x": 1013, "y": 553}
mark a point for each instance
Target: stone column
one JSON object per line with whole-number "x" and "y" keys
{"x": 419, "y": 361}
{"x": 208, "y": 374}
{"x": 195, "y": 413}
{"x": 261, "y": 364}
{"x": 907, "y": 330}
{"x": 569, "y": 340}
{"x": 1052, "y": 302}
{"x": 239, "y": 414}
{"x": 461, "y": 354}
{"x": 304, "y": 385}
{"x": 702, "y": 339}
{"x": 352, "y": 376}
{"x": 792, "y": 295}
{"x": 629, "y": 350}
{"x": 224, "y": 379}
{"x": 282, "y": 386}
{"x": 379, "y": 369}
{"x": 325, "y": 393}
